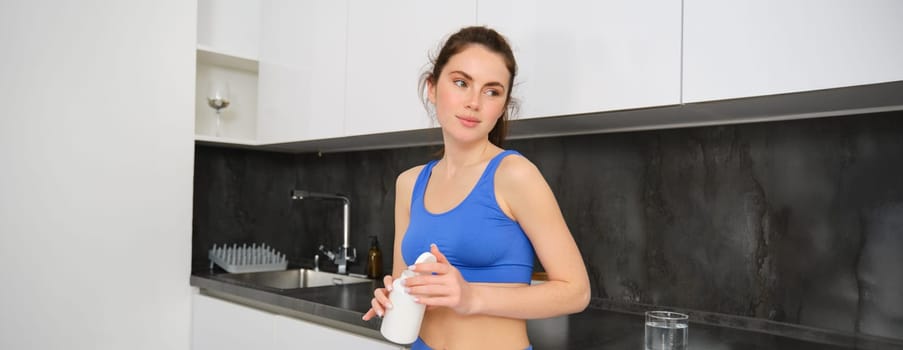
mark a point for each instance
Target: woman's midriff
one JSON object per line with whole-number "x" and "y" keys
{"x": 443, "y": 328}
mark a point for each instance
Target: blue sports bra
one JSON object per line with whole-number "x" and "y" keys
{"x": 476, "y": 236}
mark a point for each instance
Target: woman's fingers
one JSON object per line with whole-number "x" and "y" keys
{"x": 434, "y": 249}
{"x": 382, "y": 297}
{"x": 438, "y": 283}
{"x": 431, "y": 268}
{"x": 369, "y": 315}
{"x": 378, "y": 304}
{"x": 441, "y": 266}
{"x": 433, "y": 290}
{"x": 444, "y": 301}
{"x": 387, "y": 281}
{"x": 427, "y": 279}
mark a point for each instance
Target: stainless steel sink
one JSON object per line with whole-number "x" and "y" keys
{"x": 292, "y": 279}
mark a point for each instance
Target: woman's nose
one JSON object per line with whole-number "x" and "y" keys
{"x": 473, "y": 101}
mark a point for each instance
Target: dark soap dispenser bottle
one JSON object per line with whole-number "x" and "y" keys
{"x": 374, "y": 260}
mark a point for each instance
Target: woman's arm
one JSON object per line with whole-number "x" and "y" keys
{"x": 404, "y": 187}
{"x": 523, "y": 193}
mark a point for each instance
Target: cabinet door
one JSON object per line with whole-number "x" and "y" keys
{"x": 579, "y": 56}
{"x": 747, "y": 48}
{"x": 229, "y": 26}
{"x": 217, "y": 324}
{"x": 302, "y": 70}
{"x": 388, "y": 47}
{"x": 292, "y": 333}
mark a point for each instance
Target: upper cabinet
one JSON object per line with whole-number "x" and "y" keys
{"x": 735, "y": 49}
{"x": 579, "y": 56}
{"x": 230, "y": 27}
{"x": 344, "y": 74}
{"x": 389, "y": 46}
{"x": 227, "y": 51}
{"x": 302, "y": 70}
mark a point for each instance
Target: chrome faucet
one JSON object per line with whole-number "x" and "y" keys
{"x": 345, "y": 253}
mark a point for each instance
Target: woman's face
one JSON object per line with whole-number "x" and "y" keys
{"x": 470, "y": 93}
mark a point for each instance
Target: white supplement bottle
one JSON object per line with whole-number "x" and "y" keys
{"x": 401, "y": 324}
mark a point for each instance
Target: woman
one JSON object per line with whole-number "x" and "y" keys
{"x": 482, "y": 211}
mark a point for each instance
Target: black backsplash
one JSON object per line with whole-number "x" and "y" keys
{"x": 793, "y": 221}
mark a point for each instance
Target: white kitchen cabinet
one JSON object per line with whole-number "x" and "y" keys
{"x": 230, "y": 27}
{"x": 217, "y": 324}
{"x": 389, "y": 43}
{"x": 227, "y": 50}
{"x": 735, "y": 49}
{"x": 293, "y": 333}
{"x": 579, "y": 56}
{"x": 301, "y": 84}
{"x": 238, "y": 120}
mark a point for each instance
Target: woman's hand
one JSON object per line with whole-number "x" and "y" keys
{"x": 380, "y": 301}
{"x": 441, "y": 284}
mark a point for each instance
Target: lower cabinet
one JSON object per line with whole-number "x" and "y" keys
{"x": 218, "y": 324}
{"x": 292, "y": 333}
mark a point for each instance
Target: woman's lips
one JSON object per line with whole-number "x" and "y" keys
{"x": 468, "y": 121}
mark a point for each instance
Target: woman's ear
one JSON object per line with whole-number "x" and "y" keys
{"x": 431, "y": 90}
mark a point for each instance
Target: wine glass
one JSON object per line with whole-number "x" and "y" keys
{"x": 218, "y": 98}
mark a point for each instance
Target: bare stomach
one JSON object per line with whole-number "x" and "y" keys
{"x": 444, "y": 329}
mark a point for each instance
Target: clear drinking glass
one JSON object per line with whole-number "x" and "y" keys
{"x": 666, "y": 330}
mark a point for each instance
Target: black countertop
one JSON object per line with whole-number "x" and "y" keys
{"x": 594, "y": 328}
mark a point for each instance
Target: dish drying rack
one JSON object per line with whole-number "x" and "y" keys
{"x": 238, "y": 259}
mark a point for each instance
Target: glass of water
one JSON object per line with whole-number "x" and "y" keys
{"x": 666, "y": 330}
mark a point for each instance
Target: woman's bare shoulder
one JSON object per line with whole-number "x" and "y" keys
{"x": 518, "y": 170}
{"x": 407, "y": 178}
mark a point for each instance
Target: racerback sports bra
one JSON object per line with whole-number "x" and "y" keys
{"x": 476, "y": 236}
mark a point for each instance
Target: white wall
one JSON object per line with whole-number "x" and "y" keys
{"x": 96, "y": 162}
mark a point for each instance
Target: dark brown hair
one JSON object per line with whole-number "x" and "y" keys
{"x": 457, "y": 42}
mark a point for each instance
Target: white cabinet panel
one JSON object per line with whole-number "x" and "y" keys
{"x": 760, "y": 47}
{"x": 229, "y": 26}
{"x": 301, "y": 87}
{"x": 589, "y": 56}
{"x": 292, "y": 333}
{"x": 239, "y": 120}
{"x": 227, "y": 48}
{"x": 388, "y": 47}
{"x": 221, "y": 325}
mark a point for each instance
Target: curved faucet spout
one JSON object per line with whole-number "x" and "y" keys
{"x": 345, "y": 254}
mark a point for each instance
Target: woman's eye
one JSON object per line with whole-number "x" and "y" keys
{"x": 460, "y": 83}
{"x": 492, "y": 93}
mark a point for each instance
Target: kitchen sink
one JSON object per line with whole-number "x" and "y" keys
{"x": 292, "y": 279}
